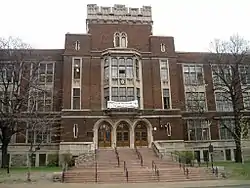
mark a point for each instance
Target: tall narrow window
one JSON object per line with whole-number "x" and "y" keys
{"x": 164, "y": 70}
{"x": 106, "y": 70}
{"x": 106, "y": 96}
{"x": 166, "y": 99}
{"x": 76, "y": 98}
{"x": 129, "y": 68}
{"x": 77, "y": 45}
{"x": 77, "y": 69}
{"x": 75, "y": 130}
{"x": 117, "y": 40}
{"x": 138, "y": 96}
{"x": 123, "y": 40}
{"x": 114, "y": 68}
{"x": 137, "y": 69}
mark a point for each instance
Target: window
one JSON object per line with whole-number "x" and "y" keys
{"x": 106, "y": 70}
{"x": 46, "y": 73}
{"x": 75, "y": 130}
{"x": 137, "y": 69}
{"x": 193, "y": 74}
{"x": 246, "y": 100}
{"x": 244, "y": 72}
{"x": 164, "y": 70}
{"x": 221, "y": 75}
{"x": 120, "y": 40}
{"x": 129, "y": 68}
{"x": 223, "y": 102}
{"x": 163, "y": 47}
{"x": 114, "y": 68}
{"x": 123, "y": 40}
{"x": 195, "y": 101}
{"x": 166, "y": 99}
{"x": 41, "y": 101}
{"x": 76, "y": 98}
{"x": 122, "y": 94}
{"x": 198, "y": 129}
{"x": 77, "y": 68}
{"x": 138, "y": 96}
{"x": 225, "y": 126}
{"x": 117, "y": 40}
{"x": 77, "y": 45}
{"x": 106, "y": 96}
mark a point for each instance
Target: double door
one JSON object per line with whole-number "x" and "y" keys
{"x": 104, "y": 138}
{"x": 141, "y": 138}
{"x": 122, "y": 138}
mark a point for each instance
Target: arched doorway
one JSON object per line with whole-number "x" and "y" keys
{"x": 141, "y": 134}
{"x": 122, "y": 135}
{"x": 104, "y": 135}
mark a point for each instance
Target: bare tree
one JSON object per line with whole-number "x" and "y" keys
{"x": 231, "y": 77}
{"x": 21, "y": 94}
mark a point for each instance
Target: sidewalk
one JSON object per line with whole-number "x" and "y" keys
{"x": 193, "y": 184}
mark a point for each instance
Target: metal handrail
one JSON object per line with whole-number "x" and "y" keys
{"x": 155, "y": 170}
{"x": 96, "y": 172}
{"x": 139, "y": 155}
{"x": 126, "y": 173}
{"x": 117, "y": 157}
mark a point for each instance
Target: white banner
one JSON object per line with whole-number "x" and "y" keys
{"x": 129, "y": 104}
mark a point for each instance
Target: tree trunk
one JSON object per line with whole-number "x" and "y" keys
{"x": 29, "y": 167}
{"x": 238, "y": 152}
{"x": 5, "y": 158}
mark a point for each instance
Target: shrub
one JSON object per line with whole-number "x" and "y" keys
{"x": 186, "y": 157}
{"x": 53, "y": 160}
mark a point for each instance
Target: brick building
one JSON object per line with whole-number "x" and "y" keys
{"x": 122, "y": 86}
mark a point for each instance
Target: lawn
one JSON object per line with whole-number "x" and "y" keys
{"x": 236, "y": 171}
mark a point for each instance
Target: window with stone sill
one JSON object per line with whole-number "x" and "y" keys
{"x": 164, "y": 70}
{"x": 198, "y": 129}
{"x": 76, "y": 98}
{"x": 221, "y": 75}
{"x": 244, "y": 72}
{"x": 46, "y": 73}
{"x": 163, "y": 47}
{"x": 246, "y": 100}
{"x": 223, "y": 102}
{"x": 166, "y": 99}
{"x": 77, "y": 45}
{"x": 224, "y": 126}
{"x": 193, "y": 74}
{"x": 195, "y": 101}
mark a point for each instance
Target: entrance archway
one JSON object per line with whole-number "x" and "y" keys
{"x": 104, "y": 135}
{"x": 141, "y": 134}
{"x": 122, "y": 135}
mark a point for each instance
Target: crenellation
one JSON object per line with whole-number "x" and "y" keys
{"x": 119, "y": 12}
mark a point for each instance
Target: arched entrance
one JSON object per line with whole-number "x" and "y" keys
{"x": 104, "y": 135}
{"x": 141, "y": 134}
{"x": 122, "y": 135}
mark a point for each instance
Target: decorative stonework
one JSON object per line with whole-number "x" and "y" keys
{"x": 18, "y": 160}
{"x": 119, "y": 13}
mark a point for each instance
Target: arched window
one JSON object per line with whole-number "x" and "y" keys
{"x": 117, "y": 40}
{"x": 163, "y": 47}
{"x": 120, "y": 40}
{"x": 123, "y": 40}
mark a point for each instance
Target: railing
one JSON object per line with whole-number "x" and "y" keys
{"x": 117, "y": 157}
{"x": 139, "y": 155}
{"x": 156, "y": 151}
{"x": 182, "y": 163}
{"x": 96, "y": 172}
{"x": 125, "y": 170}
{"x": 155, "y": 170}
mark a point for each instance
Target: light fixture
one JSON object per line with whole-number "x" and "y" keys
{"x": 155, "y": 128}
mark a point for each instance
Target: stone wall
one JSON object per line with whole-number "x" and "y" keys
{"x": 85, "y": 159}
{"x": 18, "y": 160}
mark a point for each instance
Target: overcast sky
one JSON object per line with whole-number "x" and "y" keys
{"x": 193, "y": 23}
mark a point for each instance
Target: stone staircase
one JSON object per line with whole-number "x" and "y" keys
{"x": 108, "y": 170}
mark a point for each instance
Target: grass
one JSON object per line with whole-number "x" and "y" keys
{"x": 236, "y": 171}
